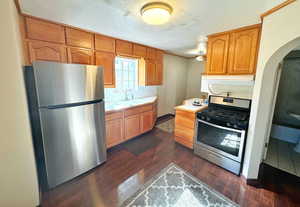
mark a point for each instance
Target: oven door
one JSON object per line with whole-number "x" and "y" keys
{"x": 222, "y": 140}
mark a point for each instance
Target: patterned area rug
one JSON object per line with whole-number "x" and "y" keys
{"x": 167, "y": 126}
{"x": 173, "y": 187}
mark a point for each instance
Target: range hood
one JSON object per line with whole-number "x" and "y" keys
{"x": 246, "y": 80}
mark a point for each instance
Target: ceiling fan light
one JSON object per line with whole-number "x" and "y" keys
{"x": 156, "y": 13}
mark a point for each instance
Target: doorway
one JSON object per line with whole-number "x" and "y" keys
{"x": 283, "y": 148}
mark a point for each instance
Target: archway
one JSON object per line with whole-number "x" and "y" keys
{"x": 264, "y": 97}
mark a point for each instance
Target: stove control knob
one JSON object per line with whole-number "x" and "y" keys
{"x": 202, "y": 117}
{"x": 228, "y": 124}
{"x": 207, "y": 118}
{"x": 235, "y": 126}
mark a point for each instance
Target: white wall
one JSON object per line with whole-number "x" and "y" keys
{"x": 173, "y": 90}
{"x": 18, "y": 177}
{"x": 280, "y": 34}
{"x": 193, "y": 86}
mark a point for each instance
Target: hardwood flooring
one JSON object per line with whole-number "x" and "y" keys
{"x": 113, "y": 182}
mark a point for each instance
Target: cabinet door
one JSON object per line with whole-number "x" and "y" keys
{"x": 80, "y": 56}
{"x": 124, "y": 47}
{"x": 243, "y": 51}
{"x": 217, "y": 54}
{"x": 132, "y": 126}
{"x": 146, "y": 121}
{"x": 79, "y": 38}
{"x": 114, "y": 132}
{"x": 151, "y": 72}
{"x": 159, "y": 56}
{"x": 43, "y": 30}
{"x": 159, "y": 73}
{"x": 139, "y": 50}
{"x": 151, "y": 53}
{"x": 107, "y": 61}
{"x": 46, "y": 51}
{"x": 105, "y": 44}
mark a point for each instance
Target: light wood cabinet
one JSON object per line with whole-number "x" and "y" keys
{"x": 80, "y": 56}
{"x": 151, "y": 53}
{"x": 185, "y": 125}
{"x": 132, "y": 126}
{"x": 114, "y": 132}
{"x": 146, "y": 121}
{"x": 150, "y": 72}
{"x": 107, "y": 61}
{"x": 243, "y": 51}
{"x": 79, "y": 38}
{"x": 45, "y": 31}
{"x": 233, "y": 52}
{"x": 217, "y": 54}
{"x": 39, "y": 50}
{"x": 124, "y": 48}
{"x": 139, "y": 50}
{"x": 128, "y": 123}
{"x": 106, "y": 44}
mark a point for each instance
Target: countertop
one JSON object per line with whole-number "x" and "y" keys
{"x": 110, "y": 107}
{"x": 188, "y": 106}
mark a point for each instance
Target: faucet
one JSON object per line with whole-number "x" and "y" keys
{"x": 129, "y": 95}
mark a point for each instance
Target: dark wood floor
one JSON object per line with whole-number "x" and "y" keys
{"x": 123, "y": 173}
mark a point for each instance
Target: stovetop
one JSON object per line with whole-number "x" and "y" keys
{"x": 231, "y": 118}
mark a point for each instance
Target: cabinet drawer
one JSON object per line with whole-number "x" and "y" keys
{"x": 185, "y": 119}
{"x": 138, "y": 110}
{"x": 185, "y": 133}
{"x": 113, "y": 115}
{"x": 184, "y": 142}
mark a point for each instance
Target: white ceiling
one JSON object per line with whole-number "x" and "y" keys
{"x": 191, "y": 19}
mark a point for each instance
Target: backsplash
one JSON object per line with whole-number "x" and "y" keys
{"x": 116, "y": 95}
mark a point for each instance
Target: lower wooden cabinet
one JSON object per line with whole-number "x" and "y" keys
{"x": 39, "y": 50}
{"x": 114, "y": 132}
{"x": 80, "y": 56}
{"x": 146, "y": 121}
{"x": 129, "y": 123}
{"x": 132, "y": 126}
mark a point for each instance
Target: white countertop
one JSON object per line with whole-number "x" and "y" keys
{"x": 109, "y": 106}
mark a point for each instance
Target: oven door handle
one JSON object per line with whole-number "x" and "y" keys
{"x": 221, "y": 127}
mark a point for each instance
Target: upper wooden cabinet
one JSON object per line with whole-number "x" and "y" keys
{"x": 159, "y": 56}
{"x": 139, "y": 50}
{"x": 233, "y": 52}
{"x": 217, "y": 54}
{"x": 79, "y": 38}
{"x": 151, "y": 53}
{"x": 107, "y": 61}
{"x": 124, "y": 48}
{"x": 105, "y": 44}
{"x": 46, "y": 51}
{"x": 243, "y": 49}
{"x": 80, "y": 56}
{"x": 43, "y": 30}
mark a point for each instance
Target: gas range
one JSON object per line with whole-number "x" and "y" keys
{"x": 221, "y": 132}
{"x": 226, "y": 117}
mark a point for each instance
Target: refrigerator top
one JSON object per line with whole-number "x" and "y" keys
{"x": 62, "y": 83}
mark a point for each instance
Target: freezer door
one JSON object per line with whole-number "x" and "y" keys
{"x": 59, "y": 83}
{"x": 73, "y": 140}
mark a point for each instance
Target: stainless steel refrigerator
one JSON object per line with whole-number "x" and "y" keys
{"x": 67, "y": 119}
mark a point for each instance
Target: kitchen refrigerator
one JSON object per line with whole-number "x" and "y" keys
{"x": 67, "y": 119}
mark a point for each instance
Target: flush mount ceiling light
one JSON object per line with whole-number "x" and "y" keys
{"x": 156, "y": 13}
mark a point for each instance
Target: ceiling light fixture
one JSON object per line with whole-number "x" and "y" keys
{"x": 156, "y": 13}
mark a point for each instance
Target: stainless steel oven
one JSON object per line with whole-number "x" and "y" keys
{"x": 220, "y": 132}
{"x": 222, "y": 140}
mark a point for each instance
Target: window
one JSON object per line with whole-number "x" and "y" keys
{"x": 126, "y": 73}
